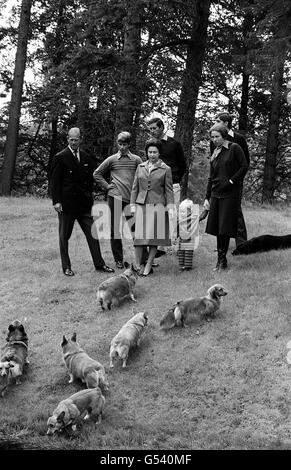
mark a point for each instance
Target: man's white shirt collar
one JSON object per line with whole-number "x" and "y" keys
{"x": 129, "y": 155}
{"x": 231, "y": 133}
{"x": 73, "y": 152}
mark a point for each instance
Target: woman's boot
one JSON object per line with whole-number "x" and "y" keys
{"x": 217, "y": 267}
{"x": 223, "y": 260}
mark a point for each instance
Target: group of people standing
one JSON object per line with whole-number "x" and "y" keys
{"x": 148, "y": 191}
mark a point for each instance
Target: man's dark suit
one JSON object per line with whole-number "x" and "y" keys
{"x": 72, "y": 186}
{"x": 241, "y": 226}
{"x": 172, "y": 155}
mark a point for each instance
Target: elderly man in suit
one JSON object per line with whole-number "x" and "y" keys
{"x": 71, "y": 188}
{"x": 233, "y": 136}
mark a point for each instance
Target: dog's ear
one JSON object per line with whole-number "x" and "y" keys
{"x": 210, "y": 290}
{"x": 11, "y": 328}
{"x": 60, "y": 418}
{"x": 21, "y": 328}
{"x": 74, "y": 337}
{"x": 126, "y": 265}
{"x": 65, "y": 341}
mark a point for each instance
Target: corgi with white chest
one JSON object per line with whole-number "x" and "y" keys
{"x": 14, "y": 356}
{"x": 69, "y": 410}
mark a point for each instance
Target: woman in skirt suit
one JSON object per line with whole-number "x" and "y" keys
{"x": 152, "y": 202}
{"x": 228, "y": 166}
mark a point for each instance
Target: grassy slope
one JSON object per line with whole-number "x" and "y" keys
{"x": 218, "y": 385}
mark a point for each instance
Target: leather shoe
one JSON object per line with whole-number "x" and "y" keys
{"x": 146, "y": 275}
{"x": 68, "y": 272}
{"x": 155, "y": 265}
{"x": 119, "y": 264}
{"x": 160, "y": 253}
{"x": 105, "y": 269}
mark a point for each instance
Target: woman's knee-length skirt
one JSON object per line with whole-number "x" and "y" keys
{"x": 151, "y": 225}
{"x": 222, "y": 217}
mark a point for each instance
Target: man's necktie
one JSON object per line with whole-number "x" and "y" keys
{"x": 76, "y": 154}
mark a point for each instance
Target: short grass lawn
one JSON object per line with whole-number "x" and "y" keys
{"x": 223, "y": 384}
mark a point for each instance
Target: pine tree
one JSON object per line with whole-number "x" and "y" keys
{"x": 16, "y": 98}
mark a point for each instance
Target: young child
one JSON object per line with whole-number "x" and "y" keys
{"x": 188, "y": 233}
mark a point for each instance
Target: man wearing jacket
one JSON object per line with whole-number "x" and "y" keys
{"x": 71, "y": 188}
{"x": 233, "y": 136}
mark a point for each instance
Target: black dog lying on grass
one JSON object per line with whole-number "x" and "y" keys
{"x": 263, "y": 243}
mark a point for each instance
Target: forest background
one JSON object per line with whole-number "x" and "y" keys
{"x": 108, "y": 65}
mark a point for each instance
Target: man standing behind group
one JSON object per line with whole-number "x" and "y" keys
{"x": 233, "y": 136}
{"x": 172, "y": 154}
{"x": 72, "y": 188}
{"x": 120, "y": 168}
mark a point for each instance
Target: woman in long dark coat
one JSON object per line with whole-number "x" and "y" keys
{"x": 228, "y": 166}
{"x": 152, "y": 202}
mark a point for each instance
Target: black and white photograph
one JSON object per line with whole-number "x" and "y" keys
{"x": 145, "y": 229}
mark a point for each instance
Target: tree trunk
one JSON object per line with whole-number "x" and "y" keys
{"x": 83, "y": 108}
{"x": 192, "y": 81}
{"x": 243, "y": 112}
{"x": 16, "y": 98}
{"x": 129, "y": 81}
{"x": 54, "y": 144}
{"x": 269, "y": 178}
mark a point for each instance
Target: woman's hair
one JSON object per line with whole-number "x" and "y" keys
{"x": 124, "y": 137}
{"x": 221, "y": 129}
{"x": 152, "y": 142}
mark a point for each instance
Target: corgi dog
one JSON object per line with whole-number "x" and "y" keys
{"x": 117, "y": 288}
{"x": 128, "y": 337}
{"x": 184, "y": 312}
{"x": 90, "y": 400}
{"x": 14, "y": 356}
{"x": 81, "y": 366}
